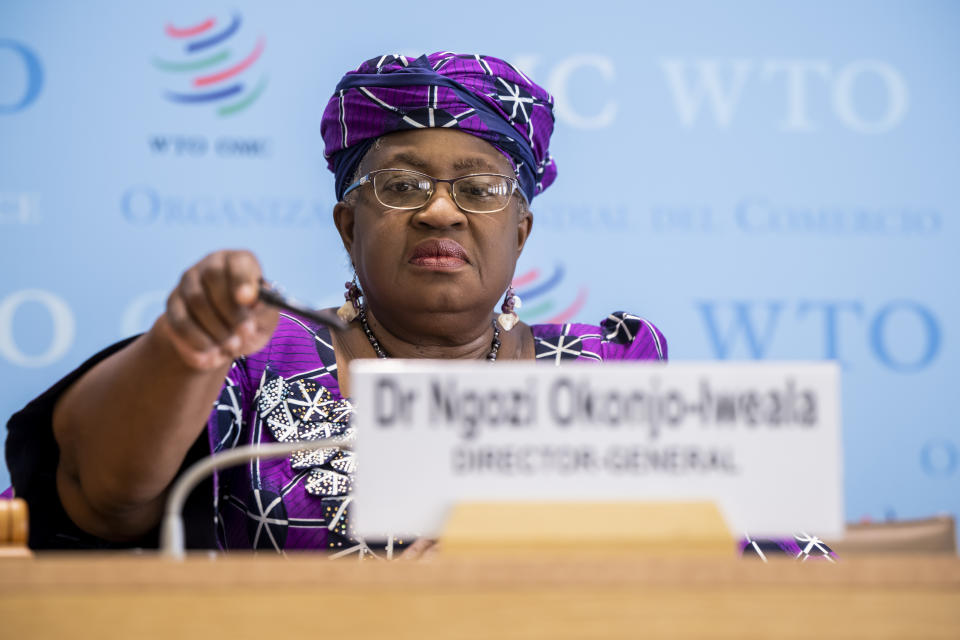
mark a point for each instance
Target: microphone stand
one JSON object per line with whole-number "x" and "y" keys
{"x": 171, "y": 530}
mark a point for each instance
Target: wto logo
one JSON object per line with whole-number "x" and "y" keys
{"x": 13, "y": 99}
{"x": 208, "y": 70}
{"x": 540, "y": 300}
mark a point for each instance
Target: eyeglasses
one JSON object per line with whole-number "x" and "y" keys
{"x": 406, "y": 189}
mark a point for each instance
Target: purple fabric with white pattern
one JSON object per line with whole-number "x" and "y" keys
{"x": 481, "y": 95}
{"x": 271, "y": 504}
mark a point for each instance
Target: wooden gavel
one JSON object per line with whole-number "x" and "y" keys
{"x": 14, "y": 523}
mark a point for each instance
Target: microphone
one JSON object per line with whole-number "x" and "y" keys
{"x": 171, "y": 529}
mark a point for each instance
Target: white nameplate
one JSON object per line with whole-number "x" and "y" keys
{"x": 762, "y": 440}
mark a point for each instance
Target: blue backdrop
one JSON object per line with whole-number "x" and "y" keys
{"x": 763, "y": 181}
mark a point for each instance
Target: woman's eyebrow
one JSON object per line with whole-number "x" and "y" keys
{"x": 473, "y": 163}
{"x": 407, "y": 158}
{"x": 466, "y": 164}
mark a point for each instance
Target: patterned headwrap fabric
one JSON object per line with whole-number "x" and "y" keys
{"x": 481, "y": 95}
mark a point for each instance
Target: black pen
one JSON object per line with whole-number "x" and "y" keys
{"x": 274, "y": 298}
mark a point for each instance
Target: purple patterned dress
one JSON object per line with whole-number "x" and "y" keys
{"x": 289, "y": 392}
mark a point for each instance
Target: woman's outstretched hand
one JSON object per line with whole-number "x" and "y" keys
{"x": 125, "y": 426}
{"x": 214, "y": 314}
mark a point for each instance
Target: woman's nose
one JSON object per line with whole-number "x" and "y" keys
{"x": 440, "y": 211}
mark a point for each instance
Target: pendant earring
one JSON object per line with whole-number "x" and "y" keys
{"x": 508, "y": 317}
{"x": 350, "y": 309}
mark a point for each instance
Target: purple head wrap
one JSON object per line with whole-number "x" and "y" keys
{"x": 481, "y": 95}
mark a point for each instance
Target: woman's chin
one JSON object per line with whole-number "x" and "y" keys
{"x": 441, "y": 296}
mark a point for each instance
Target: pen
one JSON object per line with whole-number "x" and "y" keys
{"x": 271, "y": 296}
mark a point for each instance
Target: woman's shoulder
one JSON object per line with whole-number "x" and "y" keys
{"x": 619, "y": 336}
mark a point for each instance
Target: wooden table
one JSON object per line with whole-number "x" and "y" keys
{"x": 129, "y": 596}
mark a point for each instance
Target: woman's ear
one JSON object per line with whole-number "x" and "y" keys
{"x": 524, "y": 226}
{"x": 343, "y": 218}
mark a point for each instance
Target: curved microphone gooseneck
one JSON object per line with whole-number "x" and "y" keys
{"x": 171, "y": 530}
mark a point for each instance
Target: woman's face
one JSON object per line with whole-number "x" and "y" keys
{"x": 438, "y": 258}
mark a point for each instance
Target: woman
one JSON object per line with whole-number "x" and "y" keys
{"x": 435, "y": 163}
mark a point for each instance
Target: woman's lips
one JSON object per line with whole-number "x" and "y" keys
{"x": 438, "y": 253}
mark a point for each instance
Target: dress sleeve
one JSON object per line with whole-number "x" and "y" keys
{"x": 630, "y": 337}
{"x": 33, "y": 455}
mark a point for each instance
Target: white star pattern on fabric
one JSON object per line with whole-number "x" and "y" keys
{"x": 269, "y": 393}
{"x": 229, "y": 415}
{"x": 273, "y": 518}
{"x": 307, "y": 411}
{"x": 483, "y": 64}
{"x": 623, "y": 328}
{"x": 448, "y": 56}
{"x": 801, "y": 547}
{"x": 390, "y": 58}
{"x": 325, "y": 482}
{"x": 753, "y": 545}
{"x": 520, "y": 100}
{"x": 263, "y": 519}
{"x": 282, "y": 424}
{"x": 345, "y": 463}
{"x": 319, "y": 403}
{"x": 812, "y": 543}
{"x": 565, "y": 347}
{"x": 307, "y": 458}
{"x": 421, "y": 118}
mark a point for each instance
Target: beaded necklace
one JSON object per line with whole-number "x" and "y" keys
{"x": 362, "y": 314}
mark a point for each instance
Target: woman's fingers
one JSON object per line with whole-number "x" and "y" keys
{"x": 215, "y": 280}
{"x": 244, "y": 275}
{"x": 214, "y": 315}
{"x": 183, "y": 324}
{"x": 199, "y": 298}
{"x": 194, "y": 347}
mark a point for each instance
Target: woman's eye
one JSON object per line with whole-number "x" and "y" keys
{"x": 403, "y": 185}
{"x": 481, "y": 189}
